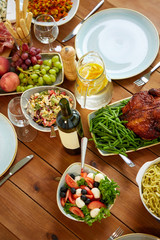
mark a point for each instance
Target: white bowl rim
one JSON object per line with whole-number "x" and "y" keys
{"x": 139, "y": 177}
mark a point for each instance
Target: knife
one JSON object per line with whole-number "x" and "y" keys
{"x": 76, "y": 29}
{"x": 16, "y": 167}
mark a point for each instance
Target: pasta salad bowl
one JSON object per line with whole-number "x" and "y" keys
{"x": 148, "y": 179}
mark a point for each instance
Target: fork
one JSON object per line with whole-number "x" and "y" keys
{"x": 143, "y": 80}
{"x": 116, "y": 234}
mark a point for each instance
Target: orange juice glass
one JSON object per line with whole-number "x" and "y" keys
{"x": 93, "y": 88}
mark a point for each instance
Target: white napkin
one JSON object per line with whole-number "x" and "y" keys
{"x": 11, "y": 12}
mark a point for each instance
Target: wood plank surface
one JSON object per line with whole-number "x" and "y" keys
{"x": 28, "y": 206}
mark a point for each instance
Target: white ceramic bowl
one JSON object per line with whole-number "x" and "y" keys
{"x": 74, "y": 168}
{"x": 11, "y": 14}
{"x": 26, "y": 96}
{"x": 139, "y": 177}
{"x": 71, "y": 13}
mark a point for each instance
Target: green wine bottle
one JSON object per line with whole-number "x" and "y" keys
{"x": 69, "y": 127}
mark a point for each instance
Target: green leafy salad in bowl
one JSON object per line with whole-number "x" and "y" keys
{"x": 86, "y": 196}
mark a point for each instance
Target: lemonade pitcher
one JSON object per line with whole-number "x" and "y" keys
{"x": 93, "y": 88}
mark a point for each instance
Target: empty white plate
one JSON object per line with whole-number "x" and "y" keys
{"x": 127, "y": 41}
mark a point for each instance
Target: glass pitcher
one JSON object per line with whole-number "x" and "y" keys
{"x": 93, "y": 88}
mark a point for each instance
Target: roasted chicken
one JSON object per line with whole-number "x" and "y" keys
{"x": 143, "y": 114}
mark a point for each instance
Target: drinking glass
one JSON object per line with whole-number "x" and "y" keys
{"x": 24, "y": 130}
{"x": 46, "y": 30}
{"x": 93, "y": 88}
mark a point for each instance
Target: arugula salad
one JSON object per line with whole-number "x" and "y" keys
{"x": 88, "y": 197}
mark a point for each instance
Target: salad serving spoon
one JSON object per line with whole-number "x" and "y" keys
{"x": 84, "y": 142}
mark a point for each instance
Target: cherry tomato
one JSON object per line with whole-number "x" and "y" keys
{"x": 83, "y": 174}
{"x": 70, "y": 197}
{"x": 76, "y": 211}
{"x": 63, "y": 202}
{"x": 71, "y": 182}
{"x": 96, "y": 204}
{"x": 87, "y": 189}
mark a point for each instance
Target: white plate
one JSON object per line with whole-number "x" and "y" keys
{"x": 127, "y": 41}
{"x": 138, "y": 236}
{"x": 11, "y": 15}
{"x": 8, "y": 144}
{"x": 105, "y": 153}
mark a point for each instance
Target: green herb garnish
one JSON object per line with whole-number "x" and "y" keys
{"x": 82, "y": 182}
{"x": 108, "y": 190}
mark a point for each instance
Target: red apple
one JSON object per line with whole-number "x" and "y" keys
{"x": 9, "y": 82}
{"x": 4, "y": 65}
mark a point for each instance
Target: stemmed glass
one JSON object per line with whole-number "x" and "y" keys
{"x": 46, "y": 30}
{"x": 24, "y": 130}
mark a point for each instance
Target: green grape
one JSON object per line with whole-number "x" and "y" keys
{"x": 24, "y": 80}
{"x": 48, "y": 62}
{"x": 22, "y": 89}
{"x": 56, "y": 69}
{"x": 55, "y": 58}
{"x": 34, "y": 76}
{"x": 29, "y": 86}
{"x": 30, "y": 68}
{"x": 37, "y": 71}
{"x": 18, "y": 89}
{"x": 47, "y": 79}
{"x": 52, "y": 71}
{"x": 43, "y": 71}
{"x": 53, "y": 78}
{"x": 35, "y": 80}
{"x": 21, "y": 76}
{"x": 36, "y": 67}
{"x": 46, "y": 68}
{"x": 30, "y": 81}
{"x": 58, "y": 65}
{"x": 42, "y": 66}
{"x": 40, "y": 81}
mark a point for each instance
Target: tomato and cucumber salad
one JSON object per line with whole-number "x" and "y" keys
{"x": 88, "y": 197}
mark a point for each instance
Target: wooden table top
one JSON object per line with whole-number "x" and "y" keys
{"x": 28, "y": 208}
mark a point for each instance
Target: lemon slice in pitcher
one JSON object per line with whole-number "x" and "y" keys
{"x": 92, "y": 71}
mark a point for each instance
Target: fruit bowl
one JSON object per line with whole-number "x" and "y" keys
{"x": 25, "y": 99}
{"x": 45, "y": 56}
{"x": 75, "y": 169}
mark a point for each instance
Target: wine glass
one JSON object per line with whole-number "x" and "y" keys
{"x": 46, "y": 30}
{"x": 24, "y": 130}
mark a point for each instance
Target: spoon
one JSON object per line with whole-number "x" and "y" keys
{"x": 84, "y": 142}
{"x": 127, "y": 160}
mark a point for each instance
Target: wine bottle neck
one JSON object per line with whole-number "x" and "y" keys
{"x": 65, "y": 107}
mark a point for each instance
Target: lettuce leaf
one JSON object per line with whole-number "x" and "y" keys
{"x": 108, "y": 190}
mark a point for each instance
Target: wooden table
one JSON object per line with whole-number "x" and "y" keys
{"x": 28, "y": 208}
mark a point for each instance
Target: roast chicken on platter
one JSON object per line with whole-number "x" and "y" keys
{"x": 143, "y": 114}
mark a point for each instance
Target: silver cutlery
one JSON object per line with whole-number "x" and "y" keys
{"x": 116, "y": 234}
{"x": 16, "y": 167}
{"x": 84, "y": 142}
{"x": 143, "y": 80}
{"x": 76, "y": 29}
{"x": 127, "y": 160}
